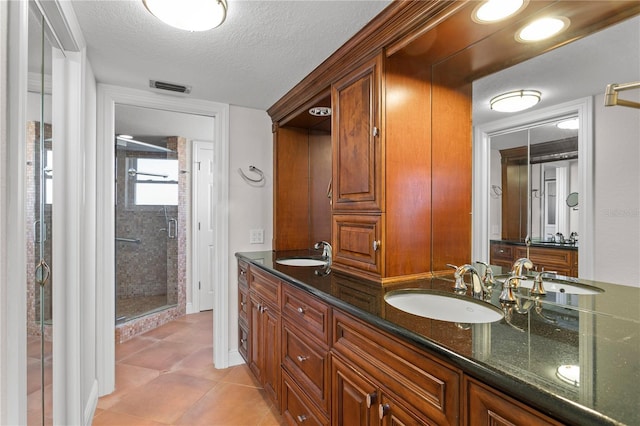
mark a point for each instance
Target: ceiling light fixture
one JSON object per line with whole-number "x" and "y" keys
{"x": 496, "y": 10}
{"x": 515, "y": 101}
{"x": 542, "y": 28}
{"x": 190, "y": 15}
{"x": 570, "y": 124}
{"x": 320, "y": 111}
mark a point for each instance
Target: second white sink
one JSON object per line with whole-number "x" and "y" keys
{"x": 301, "y": 261}
{"x": 563, "y": 287}
{"x": 443, "y": 306}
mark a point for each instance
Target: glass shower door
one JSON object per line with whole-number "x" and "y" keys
{"x": 39, "y": 150}
{"x": 146, "y": 227}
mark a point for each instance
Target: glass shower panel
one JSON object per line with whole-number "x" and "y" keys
{"x": 146, "y": 227}
{"x": 39, "y": 150}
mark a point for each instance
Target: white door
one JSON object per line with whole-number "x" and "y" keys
{"x": 204, "y": 223}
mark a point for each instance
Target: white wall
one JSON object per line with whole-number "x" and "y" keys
{"x": 250, "y": 206}
{"x": 617, "y": 192}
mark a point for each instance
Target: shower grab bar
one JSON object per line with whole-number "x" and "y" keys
{"x": 128, "y": 240}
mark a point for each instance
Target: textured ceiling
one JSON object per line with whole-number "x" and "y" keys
{"x": 258, "y": 54}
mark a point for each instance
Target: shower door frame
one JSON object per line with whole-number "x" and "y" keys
{"x": 108, "y": 97}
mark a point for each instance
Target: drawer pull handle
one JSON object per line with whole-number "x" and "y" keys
{"x": 383, "y": 410}
{"x": 371, "y": 399}
{"x": 243, "y": 272}
{"x": 243, "y": 341}
{"x": 376, "y": 245}
{"x": 301, "y": 310}
{"x": 262, "y": 309}
{"x": 302, "y": 418}
{"x": 501, "y": 251}
{"x": 302, "y": 358}
{"x": 242, "y": 304}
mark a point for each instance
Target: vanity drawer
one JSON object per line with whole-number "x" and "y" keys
{"x": 243, "y": 340}
{"x": 297, "y": 408}
{"x": 308, "y": 363}
{"x": 243, "y": 272}
{"x": 243, "y": 306}
{"x": 307, "y": 312}
{"x": 265, "y": 284}
{"x": 502, "y": 252}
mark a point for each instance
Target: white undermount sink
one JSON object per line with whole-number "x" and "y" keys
{"x": 559, "y": 286}
{"x": 443, "y": 306}
{"x": 301, "y": 261}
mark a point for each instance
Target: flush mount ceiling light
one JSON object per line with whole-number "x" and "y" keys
{"x": 190, "y": 15}
{"x": 570, "y": 124}
{"x": 320, "y": 111}
{"x": 515, "y": 101}
{"x": 542, "y": 28}
{"x": 496, "y": 10}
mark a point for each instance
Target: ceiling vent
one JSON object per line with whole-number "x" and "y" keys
{"x": 171, "y": 87}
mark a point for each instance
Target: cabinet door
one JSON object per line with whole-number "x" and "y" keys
{"x": 255, "y": 349}
{"x": 357, "y": 242}
{"x": 271, "y": 350}
{"x": 485, "y": 406}
{"x": 392, "y": 413}
{"x": 354, "y": 399}
{"x": 357, "y": 139}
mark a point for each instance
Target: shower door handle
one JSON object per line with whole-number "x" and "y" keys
{"x": 36, "y": 232}
{"x": 172, "y": 231}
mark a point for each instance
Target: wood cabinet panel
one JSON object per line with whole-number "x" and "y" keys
{"x": 349, "y": 396}
{"x": 561, "y": 260}
{"x": 412, "y": 375}
{"x": 297, "y": 408}
{"x": 357, "y": 145}
{"x": 306, "y": 312}
{"x": 265, "y": 285}
{"x": 308, "y": 364}
{"x": 357, "y": 242}
{"x": 243, "y": 340}
{"x": 484, "y": 406}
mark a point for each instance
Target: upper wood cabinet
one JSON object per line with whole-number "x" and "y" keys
{"x": 357, "y": 139}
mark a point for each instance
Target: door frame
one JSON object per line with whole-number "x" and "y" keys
{"x": 108, "y": 97}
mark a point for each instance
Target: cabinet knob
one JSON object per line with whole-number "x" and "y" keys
{"x": 301, "y": 310}
{"x": 263, "y": 309}
{"x": 242, "y": 304}
{"x": 243, "y": 341}
{"x": 375, "y": 131}
{"x": 302, "y": 418}
{"x": 243, "y": 272}
{"x": 376, "y": 245}
{"x": 383, "y": 410}
{"x": 371, "y": 399}
{"x": 302, "y": 358}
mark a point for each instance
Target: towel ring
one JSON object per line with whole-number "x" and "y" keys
{"x": 254, "y": 170}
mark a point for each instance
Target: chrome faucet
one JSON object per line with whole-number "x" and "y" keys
{"x": 559, "y": 238}
{"x": 538, "y": 287}
{"x": 518, "y": 266}
{"x": 327, "y": 251}
{"x": 478, "y": 290}
{"x": 487, "y": 278}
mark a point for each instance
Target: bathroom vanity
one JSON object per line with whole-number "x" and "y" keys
{"x": 561, "y": 258}
{"x": 334, "y": 352}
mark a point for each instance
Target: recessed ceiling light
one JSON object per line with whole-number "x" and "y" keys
{"x": 496, "y": 10}
{"x": 320, "y": 111}
{"x": 190, "y": 15}
{"x": 542, "y": 28}
{"x": 570, "y": 124}
{"x": 515, "y": 101}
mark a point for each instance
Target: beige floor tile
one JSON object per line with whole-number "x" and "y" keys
{"x": 123, "y": 350}
{"x": 165, "y": 398}
{"x": 241, "y": 375}
{"x": 112, "y": 418}
{"x": 127, "y": 377}
{"x": 230, "y": 405}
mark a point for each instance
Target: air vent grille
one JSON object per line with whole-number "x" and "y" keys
{"x": 172, "y": 87}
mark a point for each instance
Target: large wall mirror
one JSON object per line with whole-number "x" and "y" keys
{"x": 534, "y": 179}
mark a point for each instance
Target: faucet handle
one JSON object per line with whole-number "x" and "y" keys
{"x": 487, "y": 277}
{"x": 507, "y": 295}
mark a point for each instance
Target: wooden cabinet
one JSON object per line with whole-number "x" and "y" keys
{"x": 264, "y": 330}
{"x": 485, "y": 406}
{"x": 515, "y": 192}
{"x": 405, "y": 382}
{"x": 306, "y": 324}
{"x": 564, "y": 261}
{"x": 243, "y": 309}
{"x": 357, "y": 242}
{"x": 357, "y": 139}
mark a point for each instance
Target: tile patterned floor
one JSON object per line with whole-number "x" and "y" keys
{"x": 166, "y": 377}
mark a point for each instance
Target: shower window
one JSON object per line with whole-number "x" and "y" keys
{"x": 153, "y": 181}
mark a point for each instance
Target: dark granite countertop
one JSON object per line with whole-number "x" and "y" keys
{"x": 598, "y": 333}
{"x": 536, "y": 243}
